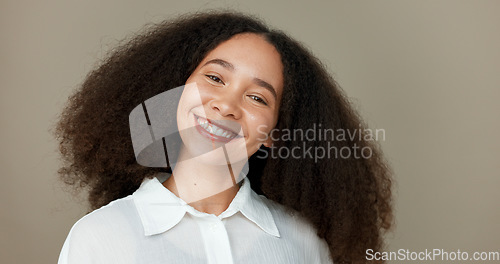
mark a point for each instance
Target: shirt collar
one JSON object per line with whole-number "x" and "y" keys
{"x": 160, "y": 210}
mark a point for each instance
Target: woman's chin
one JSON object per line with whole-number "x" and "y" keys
{"x": 221, "y": 156}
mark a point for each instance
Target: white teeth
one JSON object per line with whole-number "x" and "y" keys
{"x": 213, "y": 129}
{"x": 219, "y": 131}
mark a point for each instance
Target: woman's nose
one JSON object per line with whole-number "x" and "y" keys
{"x": 227, "y": 104}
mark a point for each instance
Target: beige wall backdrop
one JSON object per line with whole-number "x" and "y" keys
{"x": 428, "y": 72}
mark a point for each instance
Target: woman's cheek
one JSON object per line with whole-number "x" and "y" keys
{"x": 205, "y": 92}
{"x": 264, "y": 124}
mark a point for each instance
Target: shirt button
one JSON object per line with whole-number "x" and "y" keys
{"x": 212, "y": 227}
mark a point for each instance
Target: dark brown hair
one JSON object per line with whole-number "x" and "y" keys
{"x": 347, "y": 200}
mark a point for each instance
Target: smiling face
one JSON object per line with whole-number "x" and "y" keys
{"x": 233, "y": 96}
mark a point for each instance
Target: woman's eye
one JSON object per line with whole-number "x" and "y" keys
{"x": 258, "y": 99}
{"x": 214, "y": 78}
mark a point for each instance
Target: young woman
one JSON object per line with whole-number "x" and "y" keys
{"x": 247, "y": 92}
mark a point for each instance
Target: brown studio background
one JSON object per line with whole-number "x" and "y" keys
{"x": 425, "y": 71}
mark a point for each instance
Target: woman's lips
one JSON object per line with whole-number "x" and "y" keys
{"x": 213, "y": 131}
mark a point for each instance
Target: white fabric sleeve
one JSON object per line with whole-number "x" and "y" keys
{"x": 63, "y": 256}
{"x": 324, "y": 253}
{"x": 77, "y": 248}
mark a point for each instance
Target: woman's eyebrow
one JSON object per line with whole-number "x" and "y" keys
{"x": 266, "y": 85}
{"x": 222, "y": 63}
{"x": 257, "y": 81}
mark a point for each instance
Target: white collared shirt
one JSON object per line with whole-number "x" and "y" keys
{"x": 155, "y": 226}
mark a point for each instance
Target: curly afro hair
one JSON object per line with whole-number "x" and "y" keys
{"x": 348, "y": 200}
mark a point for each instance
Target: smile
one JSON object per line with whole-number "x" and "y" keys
{"x": 213, "y": 131}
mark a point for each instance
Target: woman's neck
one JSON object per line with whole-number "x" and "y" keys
{"x": 207, "y": 188}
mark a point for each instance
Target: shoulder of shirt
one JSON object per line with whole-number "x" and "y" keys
{"x": 105, "y": 219}
{"x": 289, "y": 220}
{"x": 296, "y": 229}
